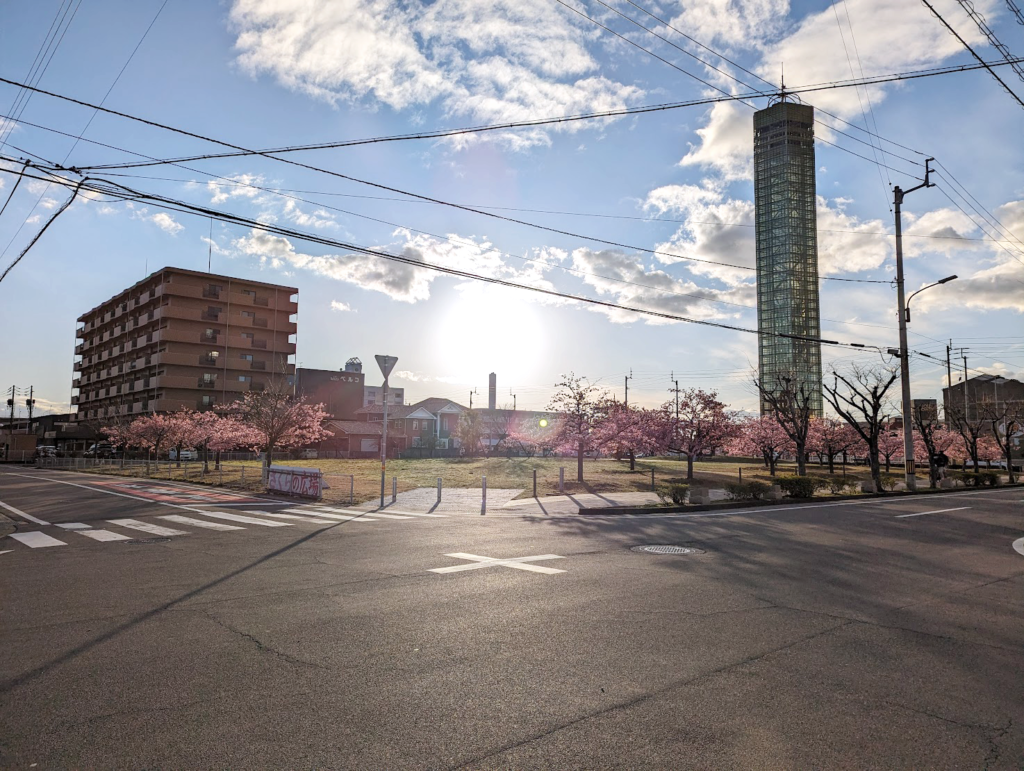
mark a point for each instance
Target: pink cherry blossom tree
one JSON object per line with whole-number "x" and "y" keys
{"x": 890, "y": 445}
{"x": 761, "y": 437}
{"x": 279, "y": 420}
{"x": 829, "y": 438}
{"x": 579, "y": 407}
{"x": 701, "y": 424}
{"x": 150, "y": 433}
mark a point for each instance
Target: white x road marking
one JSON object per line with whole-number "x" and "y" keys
{"x": 520, "y": 563}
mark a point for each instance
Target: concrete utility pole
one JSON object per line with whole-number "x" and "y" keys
{"x": 30, "y": 403}
{"x": 949, "y": 371}
{"x": 471, "y": 398}
{"x": 967, "y": 409}
{"x": 513, "y": 399}
{"x": 908, "y": 437}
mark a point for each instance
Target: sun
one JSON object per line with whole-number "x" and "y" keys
{"x": 490, "y": 329}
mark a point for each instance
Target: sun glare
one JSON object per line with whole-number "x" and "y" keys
{"x": 490, "y": 330}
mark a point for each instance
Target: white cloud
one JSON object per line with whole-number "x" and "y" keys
{"x": 340, "y": 306}
{"x": 726, "y": 143}
{"x": 244, "y": 187}
{"x": 491, "y": 62}
{"x": 847, "y": 244}
{"x": 166, "y": 223}
{"x": 48, "y": 203}
{"x": 34, "y": 219}
{"x": 623, "y": 278}
{"x": 732, "y": 23}
{"x": 319, "y": 219}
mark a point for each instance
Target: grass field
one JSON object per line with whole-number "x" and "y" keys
{"x": 603, "y": 475}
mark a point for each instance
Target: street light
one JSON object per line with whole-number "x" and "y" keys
{"x": 945, "y": 280}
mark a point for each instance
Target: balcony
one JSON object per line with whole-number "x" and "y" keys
{"x": 76, "y": 383}
{"x": 210, "y": 360}
{"x": 205, "y": 338}
{"x": 257, "y": 365}
{"x": 206, "y": 383}
{"x": 74, "y": 399}
{"x": 259, "y": 323}
{"x": 262, "y": 344}
{"x": 207, "y": 316}
{"x": 79, "y": 348}
{"x": 263, "y": 302}
{"x": 257, "y": 386}
{"x": 80, "y": 332}
{"x": 213, "y": 294}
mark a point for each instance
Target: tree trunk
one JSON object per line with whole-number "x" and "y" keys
{"x": 831, "y": 464}
{"x": 689, "y": 466}
{"x": 579, "y": 464}
{"x": 876, "y": 468}
{"x": 886, "y": 464}
{"x": 801, "y": 461}
{"x": 632, "y": 461}
{"x": 1009, "y": 460}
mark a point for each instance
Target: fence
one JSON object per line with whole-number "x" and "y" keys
{"x": 238, "y": 476}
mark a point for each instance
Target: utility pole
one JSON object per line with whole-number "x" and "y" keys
{"x": 908, "y": 436}
{"x": 967, "y": 409}
{"x": 625, "y": 400}
{"x": 471, "y": 398}
{"x": 30, "y": 403}
{"x": 625, "y": 404}
{"x": 513, "y": 399}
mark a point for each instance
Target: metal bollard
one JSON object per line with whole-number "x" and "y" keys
{"x": 740, "y": 470}
{"x": 483, "y": 500}
{"x": 652, "y": 480}
{"x": 561, "y": 479}
{"x": 243, "y": 476}
{"x": 535, "y": 483}
{"x": 394, "y": 489}
{"x": 439, "y": 489}
{"x": 351, "y": 488}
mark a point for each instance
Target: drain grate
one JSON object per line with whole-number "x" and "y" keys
{"x": 668, "y": 549}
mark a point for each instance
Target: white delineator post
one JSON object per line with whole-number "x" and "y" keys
{"x": 561, "y": 479}
{"x": 483, "y": 499}
{"x": 439, "y": 489}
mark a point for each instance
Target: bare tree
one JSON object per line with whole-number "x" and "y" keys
{"x": 858, "y": 398}
{"x": 790, "y": 401}
{"x": 927, "y": 426}
{"x": 1007, "y": 420}
{"x": 971, "y": 430}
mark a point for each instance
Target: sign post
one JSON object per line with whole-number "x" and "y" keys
{"x": 386, "y": 364}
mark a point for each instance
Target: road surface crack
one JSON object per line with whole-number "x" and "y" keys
{"x": 994, "y": 733}
{"x": 262, "y": 646}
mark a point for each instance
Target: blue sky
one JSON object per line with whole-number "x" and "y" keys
{"x": 268, "y": 73}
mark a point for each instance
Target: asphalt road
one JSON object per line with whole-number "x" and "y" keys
{"x": 825, "y": 636}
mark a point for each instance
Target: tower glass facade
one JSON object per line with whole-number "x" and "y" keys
{"x": 787, "y": 248}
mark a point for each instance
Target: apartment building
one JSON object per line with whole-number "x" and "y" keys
{"x": 181, "y": 338}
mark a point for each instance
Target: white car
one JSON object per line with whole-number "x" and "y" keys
{"x": 185, "y": 454}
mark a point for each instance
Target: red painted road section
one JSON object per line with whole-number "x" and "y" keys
{"x": 155, "y": 491}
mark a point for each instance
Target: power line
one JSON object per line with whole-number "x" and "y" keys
{"x": 986, "y": 65}
{"x": 117, "y": 190}
{"x": 442, "y": 133}
{"x": 979, "y": 20}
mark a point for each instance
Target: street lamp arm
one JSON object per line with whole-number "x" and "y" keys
{"x": 945, "y": 280}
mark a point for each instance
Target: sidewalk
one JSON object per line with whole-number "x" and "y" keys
{"x": 500, "y": 501}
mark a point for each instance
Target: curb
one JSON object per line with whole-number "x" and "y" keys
{"x": 726, "y": 505}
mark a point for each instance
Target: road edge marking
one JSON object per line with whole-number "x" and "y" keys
{"x": 937, "y": 511}
{"x": 21, "y": 513}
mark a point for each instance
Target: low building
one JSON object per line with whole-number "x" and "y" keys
{"x": 341, "y": 392}
{"x": 374, "y": 395}
{"x": 979, "y": 395}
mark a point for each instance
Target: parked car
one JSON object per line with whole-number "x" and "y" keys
{"x": 46, "y": 451}
{"x": 102, "y": 450}
{"x": 185, "y": 454}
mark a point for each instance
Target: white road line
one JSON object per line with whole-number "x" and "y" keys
{"x": 103, "y": 535}
{"x": 239, "y": 518}
{"x": 1018, "y": 546}
{"x": 36, "y": 540}
{"x": 489, "y": 562}
{"x": 295, "y": 516}
{"x": 199, "y": 522}
{"x": 391, "y": 513}
{"x": 6, "y": 551}
{"x": 389, "y": 516}
{"x": 146, "y": 527}
{"x": 21, "y": 513}
{"x": 74, "y": 525}
{"x": 419, "y": 514}
{"x": 337, "y": 517}
{"x": 937, "y": 511}
{"x": 100, "y": 490}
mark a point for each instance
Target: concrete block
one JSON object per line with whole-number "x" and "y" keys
{"x": 868, "y": 486}
{"x": 775, "y": 494}
{"x": 946, "y": 484}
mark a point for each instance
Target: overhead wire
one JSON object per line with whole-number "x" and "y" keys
{"x": 115, "y": 189}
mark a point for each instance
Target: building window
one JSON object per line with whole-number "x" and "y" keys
{"x": 248, "y": 335}
{"x": 416, "y": 425}
{"x": 245, "y": 378}
{"x": 209, "y": 377}
{"x": 208, "y": 400}
{"x": 246, "y": 357}
{"x": 248, "y": 315}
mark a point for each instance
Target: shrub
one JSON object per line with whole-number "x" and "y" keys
{"x": 975, "y": 478}
{"x": 799, "y": 487}
{"x": 889, "y": 482}
{"x": 837, "y": 485}
{"x": 745, "y": 491}
{"x": 677, "y": 493}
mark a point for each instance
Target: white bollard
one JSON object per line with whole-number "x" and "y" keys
{"x": 483, "y": 500}
{"x": 394, "y": 489}
{"x": 439, "y": 489}
{"x": 561, "y": 479}
{"x": 351, "y": 488}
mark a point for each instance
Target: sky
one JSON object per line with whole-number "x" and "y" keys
{"x": 651, "y": 210}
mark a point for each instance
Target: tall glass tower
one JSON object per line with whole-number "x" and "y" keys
{"x": 787, "y": 248}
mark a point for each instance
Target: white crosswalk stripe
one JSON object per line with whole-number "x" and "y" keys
{"x": 146, "y": 527}
{"x": 74, "y": 525}
{"x": 36, "y": 540}
{"x": 338, "y": 517}
{"x": 103, "y": 535}
{"x": 278, "y": 515}
{"x": 199, "y": 522}
{"x": 241, "y": 518}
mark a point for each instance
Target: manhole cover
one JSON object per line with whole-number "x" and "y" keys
{"x": 135, "y": 541}
{"x": 668, "y": 549}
